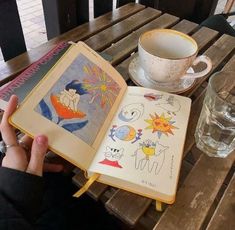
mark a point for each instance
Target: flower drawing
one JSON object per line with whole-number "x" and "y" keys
{"x": 64, "y": 111}
{"x": 101, "y": 87}
{"x": 65, "y": 104}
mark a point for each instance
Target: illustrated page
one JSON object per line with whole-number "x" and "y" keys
{"x": 73, "y": 104}
{"x": 144, "y": 143}
{"x": 81, "y": 99}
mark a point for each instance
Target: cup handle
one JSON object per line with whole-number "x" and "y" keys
{"x": 204, "y": 59}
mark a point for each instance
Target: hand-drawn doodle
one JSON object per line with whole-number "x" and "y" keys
{"x": 153, "y": 97}
{"x": 125, "y": 133}
{"x": 131, "y": 112}
{"x": 167, "y": 102}
{"x": 150, "y": 156}
{"x": 112, "y": 157}
{"x": 99, "y": 85}
{"x": 160, "y": 124}
{"x": 171, "y": 105}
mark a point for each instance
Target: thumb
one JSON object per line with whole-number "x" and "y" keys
{"x": 38, "y": 152}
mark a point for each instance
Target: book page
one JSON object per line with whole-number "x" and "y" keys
{"x": 144, "y": 143}
{"x": 73, "y": 104}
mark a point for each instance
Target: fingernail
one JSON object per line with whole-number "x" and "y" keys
{"x": 41, "y": 140}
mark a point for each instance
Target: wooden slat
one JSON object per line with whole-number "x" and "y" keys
{"x": 225, "y": 213}
{"x": 123, "y": 2}
{"x": 9, "y": 69}
{"x": 197, "y": 194}
{"x": 185, "y": 26}
{"x": 230, "y": 65}
{"x": 101, "y": 7}
{"x": 131, "y": 204}
{"x": 123, "y": 48}
{"x": 12, "y": 41}
{"x": 121, "y": 29}
{"x": 218, "y": 52}
{"x": 204, "y": 37}
{"x": 82, "y": 11}
{"x": 194, "y": 115}
{"x": 95, "y": 190}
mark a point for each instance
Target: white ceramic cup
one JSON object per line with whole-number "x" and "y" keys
{"x": 166, "y": 55}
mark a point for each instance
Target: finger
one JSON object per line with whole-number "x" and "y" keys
{"x": 49, "y": 167}
{"x": 38, "y": 152}
{"x": 8, "y": 133}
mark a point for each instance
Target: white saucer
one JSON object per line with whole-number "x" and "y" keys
{"x": 138, "y": 76}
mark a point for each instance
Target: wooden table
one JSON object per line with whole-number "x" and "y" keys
{"x": 206, "y": 191}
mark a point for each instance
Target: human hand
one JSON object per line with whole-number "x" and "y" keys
{"x": 17, "y": 157}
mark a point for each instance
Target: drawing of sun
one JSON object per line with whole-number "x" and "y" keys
{"x": 100, "y": 86}
{"x": 161, "y": 124}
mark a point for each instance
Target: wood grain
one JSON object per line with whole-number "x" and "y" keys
{"x": 122, "y": 200}
{"x": 13, "y": 67}
{"x": 197, "y": 194}
{"x": 219, "y": 52}
{"x": 224, "y": 214}
{"x": 123, "y": 48}
{"x": 112, "y": 34}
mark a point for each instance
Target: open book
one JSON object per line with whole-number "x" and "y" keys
{"x": 131, "y": 137}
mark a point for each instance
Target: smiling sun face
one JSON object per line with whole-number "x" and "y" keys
{"x": 160, "y": 124}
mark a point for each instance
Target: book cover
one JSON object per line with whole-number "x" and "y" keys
{"x": 29, "y": 78}
{"x": 131, "y": 137}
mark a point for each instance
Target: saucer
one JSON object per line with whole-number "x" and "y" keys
{"x": 138, "y": 76}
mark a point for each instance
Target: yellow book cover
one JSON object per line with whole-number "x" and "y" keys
{"x": 133, "y": 137}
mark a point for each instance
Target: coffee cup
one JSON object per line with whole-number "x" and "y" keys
{"x": 165, "y": 56}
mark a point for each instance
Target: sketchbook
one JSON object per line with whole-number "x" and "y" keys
{"x": 127, "y": 137}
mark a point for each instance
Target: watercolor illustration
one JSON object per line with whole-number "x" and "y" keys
{"x": 81, "y": 99}
{"x": 131, "y": 112}
{"x": 150, "y": 156}
{"x": 125, "y": 133}
{"x": 160, "y": 124}
{"x": 112, "y": 157}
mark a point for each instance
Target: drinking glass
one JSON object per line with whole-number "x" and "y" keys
{"x": 215, "y": 131}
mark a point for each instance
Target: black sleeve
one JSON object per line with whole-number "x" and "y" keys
{"x": 21, "y": 197}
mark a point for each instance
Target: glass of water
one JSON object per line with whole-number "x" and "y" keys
{"x": 215, "y": 132}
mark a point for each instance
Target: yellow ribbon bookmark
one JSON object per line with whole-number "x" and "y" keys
{"x": 159, "y": 206}
{"x": 86, "y": 186}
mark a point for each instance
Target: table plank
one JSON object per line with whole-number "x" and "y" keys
{"x": 112, "y": 34}
{"x": 132, "y": 205}
{"x": 230, "y": 65}
{"x": 123, "y": 48}
{"x": 185, "y": 26}
{"x": 13, "y": 67}
{"x": 224, "y": 214}
{"x": 219, "y": 52}
{"x": 197, "y": 194}
{"x": 205, "y": 37}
